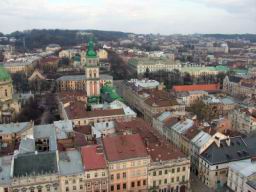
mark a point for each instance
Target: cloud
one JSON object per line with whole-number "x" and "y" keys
{"x": 141, "y": 16}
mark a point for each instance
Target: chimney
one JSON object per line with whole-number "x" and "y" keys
{"x": 253, "y": 159}
{"x": 217, "y": 141}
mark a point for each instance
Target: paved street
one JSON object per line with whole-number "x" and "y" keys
{"x": 198, "y": 186}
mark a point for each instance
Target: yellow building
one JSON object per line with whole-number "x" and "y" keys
{"x": 8, "y": 106}
{"x": 102, "y": 54}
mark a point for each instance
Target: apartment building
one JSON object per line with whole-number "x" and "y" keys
{"x": 243, "y": 120}
{"x": 127, "y": 160}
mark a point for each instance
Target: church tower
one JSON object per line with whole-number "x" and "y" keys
{"x": 92, "y": 72}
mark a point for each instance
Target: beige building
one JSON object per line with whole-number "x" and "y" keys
{"x": 9, "y": 107}
{"x": 239, "y": 173}
{"x": 237, "y": 86}
{"x": 150, "y": 101}
{"x": 141, "y": 65}
{"x": 95, "y": 169}
{"x": 243, "y": 120}
{"x": 127, "y": 160}
{"x": 214, "y": 161}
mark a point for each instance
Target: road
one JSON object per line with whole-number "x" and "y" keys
{"x": 198, "y": 186}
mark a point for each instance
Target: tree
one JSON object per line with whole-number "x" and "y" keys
{"x": 201, "y": 110}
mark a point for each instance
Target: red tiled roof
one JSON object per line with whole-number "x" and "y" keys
{"x": 85, "y": 129}
{"x": 200, "y": 87}
{"x": 121, "y": 147}
{"x": 157, "y": 146}
{"x": 77, "y": 110}
{"x": 92, "y": 158}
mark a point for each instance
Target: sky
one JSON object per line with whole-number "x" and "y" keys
{"x": 137, "y": 16}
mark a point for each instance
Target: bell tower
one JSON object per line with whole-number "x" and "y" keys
{"x": 92, "y": 71}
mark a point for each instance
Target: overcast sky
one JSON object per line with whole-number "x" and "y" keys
{"x": 139, "y": 16}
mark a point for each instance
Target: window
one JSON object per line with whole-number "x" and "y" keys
{"x": 5, "y": 189}
{"x": 216, "y": 173}
{"x": 81, "y": 179}
{"x": 112, "y": 187}
{"x": 5, "y": 91}
{"x": 183, "y": 178}
{"x": 118, "y": 186}
{"x": 66, "y": 182}
{"x": 103, "y": 174}
{"x": 124, "y": 185}
{"x": 88, "y": 176}
{"x": 81, "y": 186}
{"x": 124, "y": 175}
{"x": 112, "y": 177}
{"x": 177, "y": 179}
{"x": 118, "y": 175}
{"x": 96, "y": 174}
{"x": 165, "y": 181}
{"x": 138, "y": 183}
{"x": 144, "y": 182}
{"x": 160, "y": 173}
{"x": 154, "y": 183}
{"x": 39, "y": 190}
{"x": 67, "y": 189}
{"x": 154, "y": 173}
{"x": 74, "y": 187}
{"x": 173, "y": 170}
{"x": 184, "y": 169}
{"x": 160, "y": 182}
{"x": 165, "y": 172}
{"x": 178, "y": 169}
{"x": 133, "y": 184}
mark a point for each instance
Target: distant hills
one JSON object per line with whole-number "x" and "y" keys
{"x": 40, "y": 38}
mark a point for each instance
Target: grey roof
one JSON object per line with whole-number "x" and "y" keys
{"x": 72, "y": 77}
{"x": 82, "y": 77}
{"x": 252, "y": 183}
{"x": 235, "y": 79}
{"x": 245, "y": 167}
{"x": 27, "y": 145}
{"x": 5, "y": 169}
{"x": 13, "y": 127}
{"x": 46, "y": 131}
{"x": 237, "y": 150}
{"x": 63, "y": 128}
{"x": 201, "y": 139}
{"x": 70, "y": 162}
{"x": 251, "y": 144}
{"x": 35, "y": 164}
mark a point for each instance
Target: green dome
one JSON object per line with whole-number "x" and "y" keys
{"x": 90, "y": 51}
{"x": 4, "y": 75}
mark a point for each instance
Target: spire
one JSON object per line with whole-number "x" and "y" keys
{"x": 90, "y": 50}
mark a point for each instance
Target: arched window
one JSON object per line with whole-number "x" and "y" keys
{"x": 94, "y": 72}
{"x": 90, "y": 73}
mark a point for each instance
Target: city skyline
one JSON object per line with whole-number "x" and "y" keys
{"x": 164, "y": 17}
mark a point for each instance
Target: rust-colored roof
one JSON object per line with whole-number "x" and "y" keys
{"x": 199, "y": 87}
{"x": 121, "y": 147}
{"x": 157, "y": 146}
{"x": 85, "y": 129}
{"x": 191, "y": 133}
{"x": 77, "y": 110}
{"x": 93, "y": 157}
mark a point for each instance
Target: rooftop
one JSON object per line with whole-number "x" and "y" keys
{"x": 157, "y": 146}
{"x": 123, "y": 147}
{"x": 224, "y": 153}
{"x": 93, "y": 157}
{"x": 5, "y": 169}
{"x": 199, "y": 87}
{"x": 245, "y": 167}
{"x": 14, "y": 127}
{"x": 35, "y": 164}
{"x": 70, "y": 162}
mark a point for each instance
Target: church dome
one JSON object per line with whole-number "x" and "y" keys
{"x": 90, "y": 51}
{"x": 4, "y": 75}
